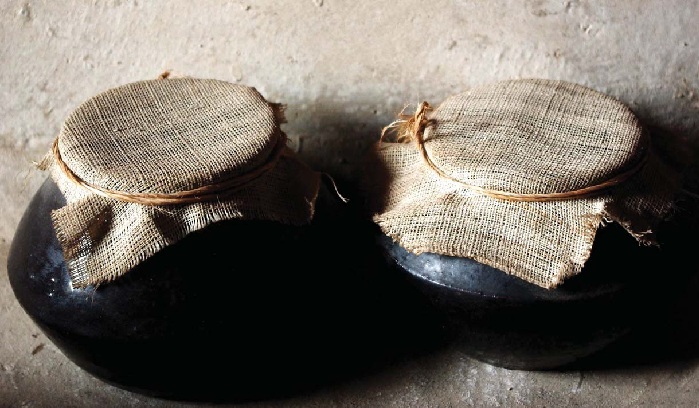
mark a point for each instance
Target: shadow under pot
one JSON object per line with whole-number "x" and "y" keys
{"x": 193, "y": 273}
{"x": 493, "y": 208}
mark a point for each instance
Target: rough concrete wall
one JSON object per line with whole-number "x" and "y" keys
{"x": 344, "y": 68}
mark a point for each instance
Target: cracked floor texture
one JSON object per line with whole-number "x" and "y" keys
{"x": 344, "y": 69}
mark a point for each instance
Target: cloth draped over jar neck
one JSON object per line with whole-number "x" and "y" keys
{"x": 519, "y": 175}
{"x": 144, "y": 164}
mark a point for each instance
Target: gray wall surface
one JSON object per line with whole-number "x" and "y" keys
{"x": 344, "y": 69}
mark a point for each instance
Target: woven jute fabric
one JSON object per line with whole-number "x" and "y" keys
{"x": 119, "y": 153}
{"x": 527, "y": 138}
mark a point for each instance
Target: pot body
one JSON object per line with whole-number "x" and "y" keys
{"x": 508, "y": 322}
{"x": 239, "y": 310}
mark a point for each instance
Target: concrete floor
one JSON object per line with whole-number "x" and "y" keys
{"x": 344, "y": 68}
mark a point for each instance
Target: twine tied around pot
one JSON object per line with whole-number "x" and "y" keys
{"x": 519, "y": 175}
{"x": 411, "y": 129}
{"x": 144, "y": 164}
{"x": 208, "y": 192}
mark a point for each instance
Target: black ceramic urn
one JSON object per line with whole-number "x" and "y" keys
{"x": 538, "y": 217}
{"x": 181, "y": 249}
{"x": 508, "y": 322}
{"x": 241, "y": 310}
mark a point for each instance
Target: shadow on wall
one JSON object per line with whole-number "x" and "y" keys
{"x": 336, "y": 137}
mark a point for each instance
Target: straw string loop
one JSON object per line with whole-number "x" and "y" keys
{"x": 411, "y": 129}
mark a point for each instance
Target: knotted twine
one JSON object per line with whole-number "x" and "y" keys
{"x": 143, "y": 165}
{"x": 519, "y": 175}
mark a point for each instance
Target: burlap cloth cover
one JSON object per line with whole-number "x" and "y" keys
{"x": 526, "y": 138}
{"x": 155, "y": 160}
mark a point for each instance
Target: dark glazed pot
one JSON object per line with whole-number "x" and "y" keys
{"x": 508, "y": 322}
{"x": 240, "y": 310}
